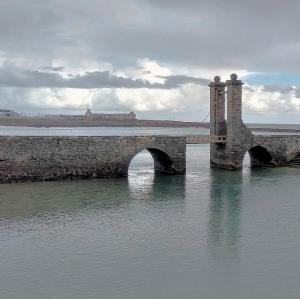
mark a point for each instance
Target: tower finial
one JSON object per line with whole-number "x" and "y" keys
{"x": 217, "y": 79}
{"x": 233, "y": 77}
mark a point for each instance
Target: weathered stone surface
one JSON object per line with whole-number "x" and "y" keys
{"x": 58, "y": 158}
{"x": 263, "y": 150}
{"x": 217, "y": 107}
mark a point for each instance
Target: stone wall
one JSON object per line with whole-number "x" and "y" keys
{"x": 58, "y": 158}
{"x": 282, "y": 148}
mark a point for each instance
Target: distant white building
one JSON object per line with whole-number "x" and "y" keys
{"x": 109, "y": 116}
{"x": 6, "y": 112}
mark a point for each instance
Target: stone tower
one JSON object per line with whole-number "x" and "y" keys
{"x": 217, "y": 107}
{"x": 231, "y": 154}
{"x": 234, "y": 105}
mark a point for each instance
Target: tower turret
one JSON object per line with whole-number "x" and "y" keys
{"x": 217, "y": 107}
{"x": 234, "y": 106}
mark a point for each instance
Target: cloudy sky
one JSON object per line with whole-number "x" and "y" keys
{"x": 154, "y": 57}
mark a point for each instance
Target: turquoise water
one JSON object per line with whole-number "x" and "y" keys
{"x": 119, "y": 131}
{"x": 206, "y": 234}
{"x": 100, "y": 131}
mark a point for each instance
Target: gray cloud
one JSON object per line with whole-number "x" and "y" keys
{"x": 256, "y": 35}
{"x": 283, "y": 90}
{"x": 52, "y": 68}
{"x": 178, "y": 80}
{"x": 12, "y": 76}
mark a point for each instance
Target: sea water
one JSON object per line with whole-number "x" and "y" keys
{"x": 207, "y": 234}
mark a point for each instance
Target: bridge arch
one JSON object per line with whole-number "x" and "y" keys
{"x": 260, "y": 156}
{"x": 163, "y": 164}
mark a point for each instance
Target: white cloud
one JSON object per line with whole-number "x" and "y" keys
{"x": 261, "y": 100}
{"x": 181, "y": 95}
{"x": 150, "y": 70}
{"x": 186, "y": 98}
{"x": 59, "y": 98}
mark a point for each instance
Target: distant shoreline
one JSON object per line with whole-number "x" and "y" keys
{"x": 275, "y": 130}
{"x": 41, "y": 122}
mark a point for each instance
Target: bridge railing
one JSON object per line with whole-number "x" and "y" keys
{"x": 202, "y": 139}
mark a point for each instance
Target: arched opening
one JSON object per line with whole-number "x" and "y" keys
{"x": 142, "y": 172}
{"x": 162, "y": 162}
{"x": 141, "y": 175}
{"x": 153, "y": 160}
{"x": 141, "y": 164}
{"x": 260, "y": 156}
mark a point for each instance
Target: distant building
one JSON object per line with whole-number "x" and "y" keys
{"x": 89, "y": 115}
{"x": 5, "y": 112}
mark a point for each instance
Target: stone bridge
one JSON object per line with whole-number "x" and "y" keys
{"x": 274, "y": 150}
{"x": 58, "y": 158}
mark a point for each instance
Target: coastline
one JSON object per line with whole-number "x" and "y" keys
{"x": 42, "y": 122}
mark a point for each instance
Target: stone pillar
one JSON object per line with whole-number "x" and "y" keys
{"x": 238, "y": 137}
{"x": 234, "y": 106}
{"x": 217, "y": 107}
{"x": 217, "y": 118}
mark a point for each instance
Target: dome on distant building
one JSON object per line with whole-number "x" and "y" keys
{"x": 88, "y": 112}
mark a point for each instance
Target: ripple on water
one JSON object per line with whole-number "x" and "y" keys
{"x": 208, "y": 234}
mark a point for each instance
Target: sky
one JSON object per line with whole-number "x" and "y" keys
{"x": 153, "y": 57}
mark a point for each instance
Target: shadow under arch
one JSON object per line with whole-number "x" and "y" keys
{"x": 260, "y": 157}
{"x": 163, "y": 164}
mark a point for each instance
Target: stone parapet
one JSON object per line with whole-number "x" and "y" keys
{"x": 59, "y": 158}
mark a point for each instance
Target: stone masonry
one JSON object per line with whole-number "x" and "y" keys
{"x": 58, "y": 158}
{"x": 263, "y": 150}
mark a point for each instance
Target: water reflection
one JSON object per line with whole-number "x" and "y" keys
{"x": 214, "y": 233}
{"x": 143, "y": 184}
{"x": 55, "y": 200}
{"x": 141, "y": 176}
{"x": 224, "y": 209}
{"x": 26, "y": 199}
{"x": 157, "y": 187}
